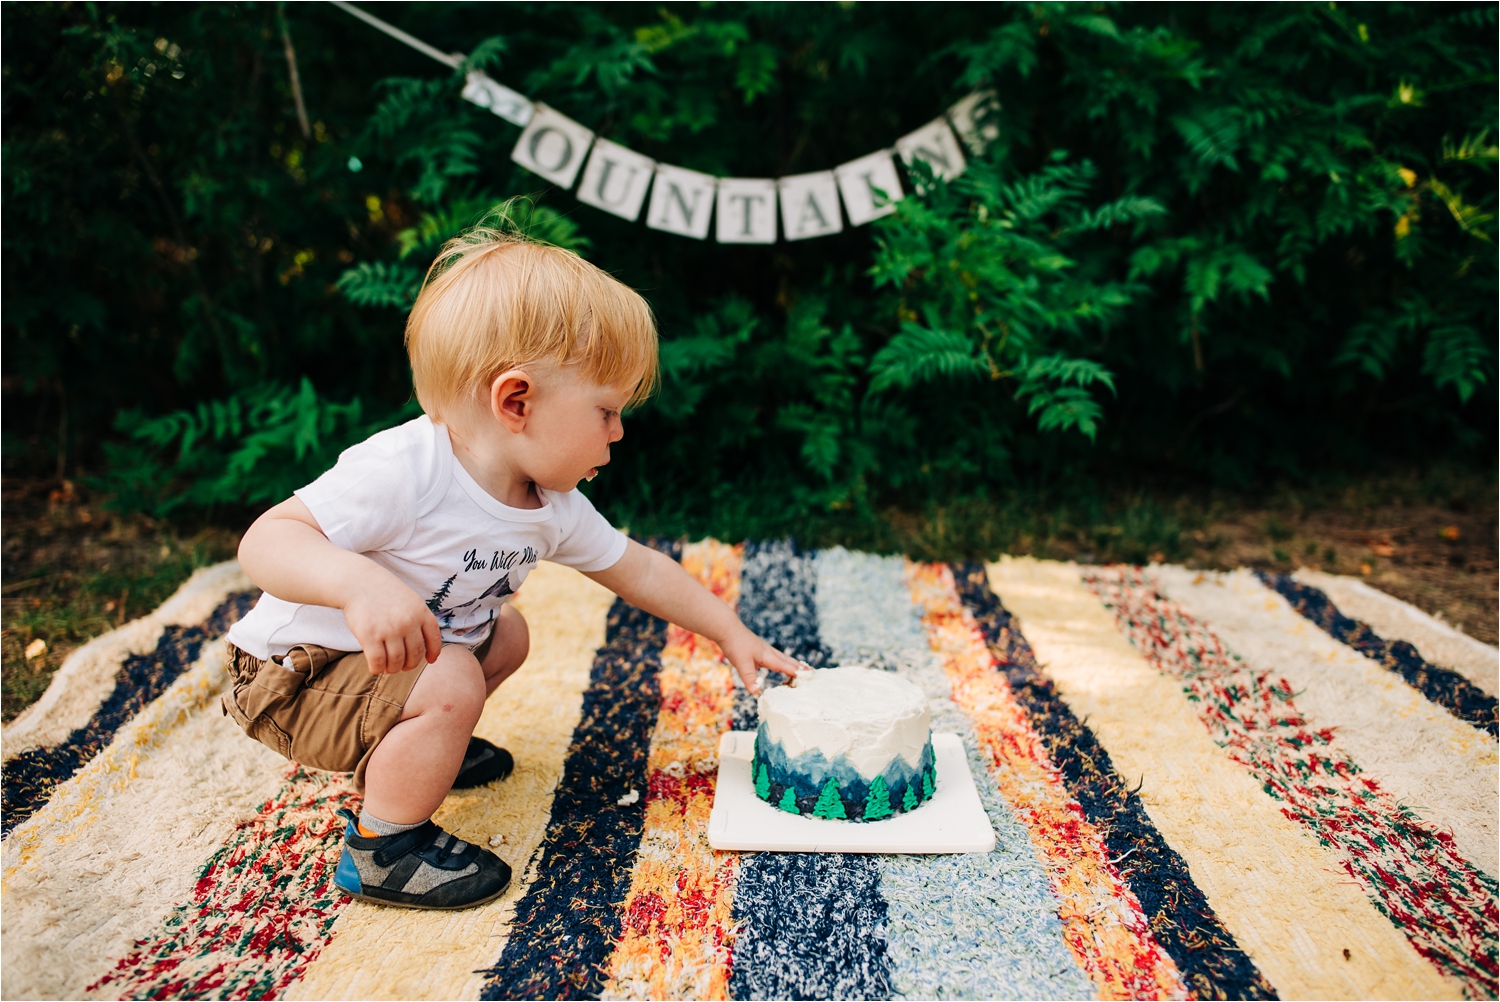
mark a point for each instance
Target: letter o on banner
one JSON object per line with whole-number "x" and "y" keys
{"x": 552, "y": 146}
{"x": 747, "y": 210}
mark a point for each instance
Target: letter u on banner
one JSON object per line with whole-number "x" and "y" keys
{"x": 616, "y": 179}
{"x": 552, "y": 145}
{"x": 682, "y": 201}
{"x": 747, "y": 210}
{"x": 870, "y": 186}
{"x": 810, "y": 205}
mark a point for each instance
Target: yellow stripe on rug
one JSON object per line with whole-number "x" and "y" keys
{"x": 1309, "y": 930}
{"x": 1103, "y": 924}
{"x": 400, "y": 953}
{"x": 128, "y": 832}
{"x": 676, "y": 930}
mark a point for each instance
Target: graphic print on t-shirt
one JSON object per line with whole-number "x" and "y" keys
{"x": 470, "y": 621}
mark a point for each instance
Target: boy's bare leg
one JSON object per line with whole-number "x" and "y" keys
{"x": 509, "y": 648}
{"x": 413, "y": 767}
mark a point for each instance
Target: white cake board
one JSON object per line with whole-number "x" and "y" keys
{"x": 952, "y": 821}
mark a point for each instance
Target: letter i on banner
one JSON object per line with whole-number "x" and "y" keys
{"x": 810, "y": 205}
{"x": 747, "y": 210}
{"x": 870, "y": 186}
{"x": 616, "y": 179}
{"x": 682, "y": 201}
{"x": 553, "y": 146}
{"x": 974, "y": 119}
{"x": 935, "y": 144}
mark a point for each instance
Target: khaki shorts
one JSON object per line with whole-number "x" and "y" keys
{"x": 326, "y": 712}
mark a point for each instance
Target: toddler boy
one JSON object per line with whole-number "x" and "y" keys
{"x": 385, "y": 622}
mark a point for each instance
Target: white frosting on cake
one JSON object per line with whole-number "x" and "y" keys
{"x": 870, "y": 717}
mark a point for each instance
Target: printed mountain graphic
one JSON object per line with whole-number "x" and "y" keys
{"x": 460, "y": 613}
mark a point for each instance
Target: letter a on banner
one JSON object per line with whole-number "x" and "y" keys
{"x": 552, "y": 145}
{"x": 682, "y": 202}
{"x": 747, "y": 210}
{"x": 935, "y": 144}
{"x": 810, "y": 205}
{"x": 869, "y": 185}
{"x": 616, "y": 179}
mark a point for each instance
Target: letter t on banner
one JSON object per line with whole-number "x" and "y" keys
{"x": 616, "y": 179}
{"x": 681, "y": 202}
{"x": 552, "y": 145}
{"x": 747, "y": 210}
{"x": 810, "y": 205}
{"x": 869, "y": 186}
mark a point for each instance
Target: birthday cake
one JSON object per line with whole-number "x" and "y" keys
{"x": 844, "y": 743}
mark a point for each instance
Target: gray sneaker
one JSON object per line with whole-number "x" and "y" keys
{"x": 422, "y": 868}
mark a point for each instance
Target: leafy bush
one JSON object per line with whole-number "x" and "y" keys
{"x": 1218, "y": 243}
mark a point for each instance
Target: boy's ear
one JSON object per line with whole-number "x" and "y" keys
{"x": 511, "y": 399}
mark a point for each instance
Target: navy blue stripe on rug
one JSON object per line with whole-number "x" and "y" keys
{"x": 30, "y": 778}
{"x": 1443, "y": 686}
{"x": 812, "y": 925}
{"x": 569, "y": 918}
{"x": 1211, "y": 961}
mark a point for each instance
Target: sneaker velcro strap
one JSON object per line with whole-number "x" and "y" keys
{"x": 406, "y": 842}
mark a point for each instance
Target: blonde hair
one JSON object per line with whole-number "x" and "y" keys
{"x": 496, "y": 299}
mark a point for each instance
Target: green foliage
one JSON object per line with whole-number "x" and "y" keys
{"x": 829, "y": 804}
{"x": 1212, "y": 242}
{"x": 877, "y": 801}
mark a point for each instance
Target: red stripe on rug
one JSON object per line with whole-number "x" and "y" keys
{"x": 1411, "y": 872}
{"x": 261, "y": 910}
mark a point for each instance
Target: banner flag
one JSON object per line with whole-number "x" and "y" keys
{"x": 681, "y": 201}
{"x": 934, "y": 143}
{"x": 616, "y": 179}
{"x": 810, "y": 205}
{"x": 747, "y": 210}
{"x": 973, "y": 119}
{"x": 498, "y": 98}
{"x": 865, "y": 183}
{"x": 552, "y": 145}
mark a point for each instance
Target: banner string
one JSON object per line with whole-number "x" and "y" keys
{"x": 453, "y": 59}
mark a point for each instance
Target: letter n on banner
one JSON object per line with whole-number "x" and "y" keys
{"x": 682, "y": 202}
{"x": 552, "y": 145}
{"x": 869, "y": 185}
{"x": 810, "y": 205}
{"x": 935, "y": 144}
{"x": 616, "y": 179}
{"x": 747, "y": 210}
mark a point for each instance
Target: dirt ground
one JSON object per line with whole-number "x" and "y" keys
{"x": 72, "y": 570}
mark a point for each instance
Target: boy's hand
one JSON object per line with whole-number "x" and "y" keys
{"x": 749, "y": 653}
{"x": 395, "y": 629}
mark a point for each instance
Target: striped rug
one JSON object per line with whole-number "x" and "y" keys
{"x": 1202, "y": 785}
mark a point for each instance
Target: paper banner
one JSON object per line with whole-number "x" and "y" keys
{"x": 681, "y": 201}
{"x": 553, "y": 146}
{"x": 936, "y": 144}
{"x": 498, "y": 98}
{"x": 747, "y": 210}
{"x": 973, "y": 119}
{"x": 810, "y": 205}
{"x": 616, "y": 179}
{"x": 862, "y": 183}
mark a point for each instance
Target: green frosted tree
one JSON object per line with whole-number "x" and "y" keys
{"x": 909, "y": 802}
{"x": 789, "y": 801}
{"x": 878, "y": 802}
{"x": 763, "y": 783}
{"x": 829, "y": 804}
{"x": 929, "y": 783}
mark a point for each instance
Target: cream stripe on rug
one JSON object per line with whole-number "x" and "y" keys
{"x": 103, "y": 863}
{"x": 1419, "y": 752}
{"x": 401, "y": 953}
{"x": 1393, "y": 619}
{"x": 87, "y": 676}
{"x": 1280, "y": 894}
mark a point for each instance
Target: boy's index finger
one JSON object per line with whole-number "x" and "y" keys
{"x": 433, "y": 637}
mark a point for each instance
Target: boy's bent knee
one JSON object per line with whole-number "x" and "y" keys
{"x": 454, "y": 683}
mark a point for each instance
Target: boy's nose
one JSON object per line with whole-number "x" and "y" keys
{"x": 616, "y": 430}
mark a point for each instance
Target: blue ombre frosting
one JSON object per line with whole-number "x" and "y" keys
{"x": 857, "y": 728}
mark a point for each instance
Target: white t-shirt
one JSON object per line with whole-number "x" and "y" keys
{"x": 401, "y": 499}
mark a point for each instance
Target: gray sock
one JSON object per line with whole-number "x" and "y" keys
{"x": 370, "y": 822}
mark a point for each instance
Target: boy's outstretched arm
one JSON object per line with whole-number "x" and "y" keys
{"x": 286, "y": 554}
{"x": 656, "y": 583}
